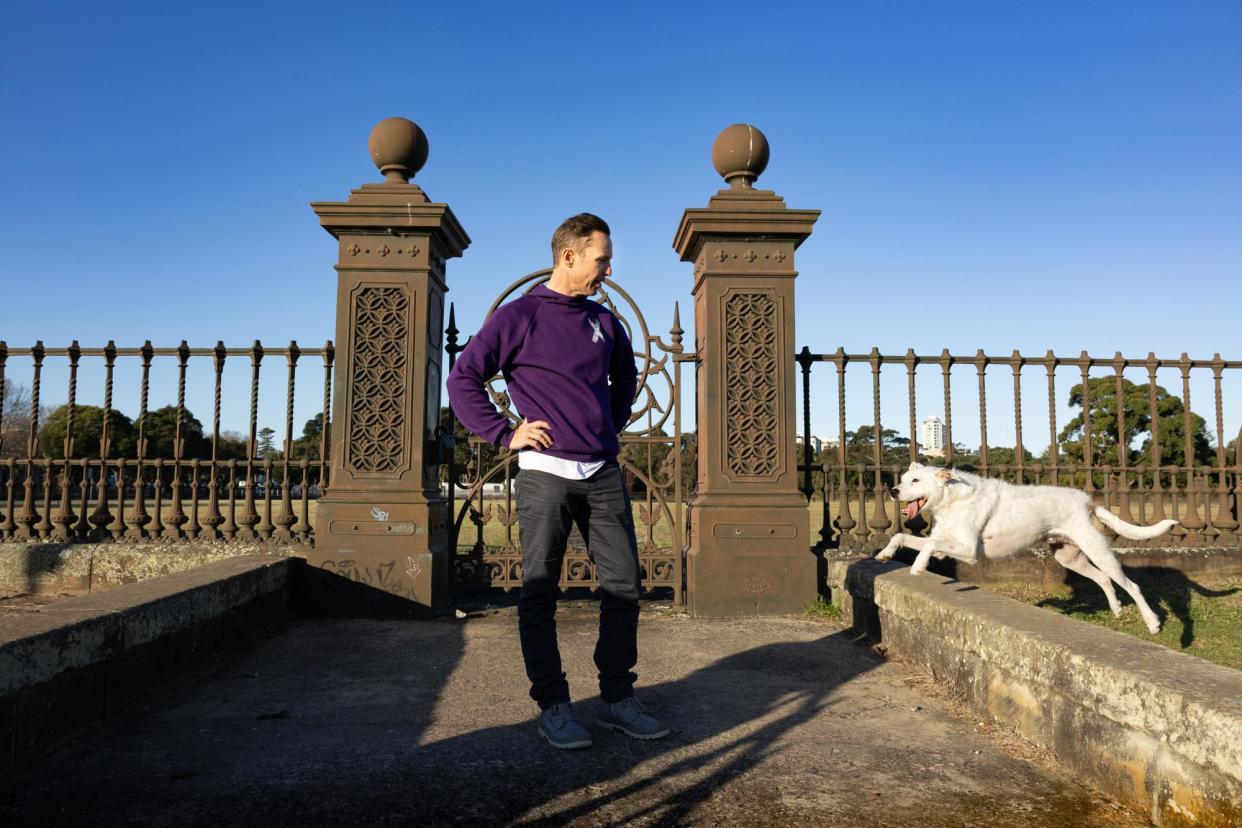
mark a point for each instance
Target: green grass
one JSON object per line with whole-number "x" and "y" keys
{"x": 822, "y": 610}
{"x": 1202, "y": 620}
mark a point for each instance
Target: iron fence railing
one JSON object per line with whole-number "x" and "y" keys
{"x": 118, "y": 488}
{"x": 1203, "y": 493}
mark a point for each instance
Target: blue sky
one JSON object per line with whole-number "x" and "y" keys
{"x": 991, "y": 175}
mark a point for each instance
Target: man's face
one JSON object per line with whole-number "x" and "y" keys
{"x": 586, "y": 270}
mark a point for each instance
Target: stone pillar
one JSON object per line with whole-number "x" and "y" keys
{"x": 750, "y": 534}
{"x": 381, "y": 530}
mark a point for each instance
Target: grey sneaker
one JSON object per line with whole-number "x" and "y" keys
{"x": 630, "y": 717}
{"x": 558, "y": 725}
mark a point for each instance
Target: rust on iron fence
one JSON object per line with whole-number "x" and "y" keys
{"x": 1199, "y": 486}
{"x": 118, "y": 490}
{"x": 483, "y": 527}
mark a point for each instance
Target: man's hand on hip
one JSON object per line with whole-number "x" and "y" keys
{"x": 531, "y": 435}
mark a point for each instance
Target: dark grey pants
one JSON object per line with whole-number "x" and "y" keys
{"x": 547, "y": 505}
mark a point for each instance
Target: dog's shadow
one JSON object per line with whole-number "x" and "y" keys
{"x": 1168, "y": 591}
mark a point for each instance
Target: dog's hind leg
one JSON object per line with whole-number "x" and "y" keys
{"x": 1098, "y": 552}
{"x": 1070, "y": 556}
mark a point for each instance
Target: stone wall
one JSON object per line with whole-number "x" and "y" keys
{"x": 1159, "y": 730}
{"x": 67, "y": 664}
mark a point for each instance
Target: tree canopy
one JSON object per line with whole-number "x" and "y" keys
{"x": 161, "y": 432}
{"x": 1136, "y": 407}
{"x": 87, "y": 432}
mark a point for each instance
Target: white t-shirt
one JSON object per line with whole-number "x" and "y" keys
{"x": 559, "y": 466}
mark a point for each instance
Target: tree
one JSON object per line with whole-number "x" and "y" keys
{"x": 15, "y": 420}
{"x": 1136, "y": 407}
{"x": 312, "y": 438}
{"x": 232, "y": 445}
{"x": 267, "y": 444}
{"x": 87, "y": 433}
{"x": 860, "y": 452}
{"x": 161, "y": 432}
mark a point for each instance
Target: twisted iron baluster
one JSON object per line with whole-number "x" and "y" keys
{"x": 1223, "y": 521}
{"x": 249, "y": 516}
{"x": 28, "y": 516}
{"x": 1019, "y": 450}
{"x": 140, "y": 518}
{"x": 287, "y": 518}
{"x": 912, "y": 362}
{"x": 1123, "y": 443}
{"x": 1050, "y": 363}
{"x": 845, "y": 520}
{"x": 102, "y": 516}
{"x": 981, "y": 366}
{"x": 1084, "y": 362}
{"x": 946, "y": 363}
{"x": 177, "y": 518}
{"x": 1157, "y": 493}
{"x": 64, "y": 514}
{"x": 1192, "y": 521}
{"x": 879, "y": 518}
{"x": 325, "y": 440}
{"x": 214, "y": 519}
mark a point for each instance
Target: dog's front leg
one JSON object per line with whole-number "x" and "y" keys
{"x": 926, "y": 550}
{"x": 943, "y": 547}
{"x": 899, "y": 541}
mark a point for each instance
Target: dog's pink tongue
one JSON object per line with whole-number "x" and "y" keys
{"x": 912, "y": 509}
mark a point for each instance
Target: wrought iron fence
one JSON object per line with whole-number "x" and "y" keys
{"x": 102, "y": 480}
{"x": 1196, "y": 484}
{"x": 483, "y": 526}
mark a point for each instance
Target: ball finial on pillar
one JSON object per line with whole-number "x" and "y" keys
{"x": 740, "y": 155}
{"x": 399, "y": 148}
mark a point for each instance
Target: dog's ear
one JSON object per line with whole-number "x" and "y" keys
{"x": 916, "y": 466}
{"x": 945, "y": 475}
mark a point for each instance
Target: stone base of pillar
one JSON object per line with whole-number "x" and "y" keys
{"x": 377, "y": 559}
{"x": 746, "y": 560}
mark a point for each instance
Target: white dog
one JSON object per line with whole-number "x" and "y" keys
{"x": 977, "y": 518}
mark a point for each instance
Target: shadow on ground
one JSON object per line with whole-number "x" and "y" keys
{"x": 1167, "y": 590}
{"x": 356, "y": 722}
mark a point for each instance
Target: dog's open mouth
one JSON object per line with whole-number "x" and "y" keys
{"x": 914, "y": 507}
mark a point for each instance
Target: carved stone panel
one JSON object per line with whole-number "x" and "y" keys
{"x": 752, "y": 390}
{"x": 378, "y": 391}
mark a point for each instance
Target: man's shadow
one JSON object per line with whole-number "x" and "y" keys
{"x": 780, "y": 686}
{"x": 1167, "y": 590}
{"x": 727, "y": 718}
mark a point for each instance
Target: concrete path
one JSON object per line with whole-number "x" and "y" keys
{"x": 328, "y": 722}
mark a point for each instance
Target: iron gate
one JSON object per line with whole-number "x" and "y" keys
{"x": 483, "y": 528}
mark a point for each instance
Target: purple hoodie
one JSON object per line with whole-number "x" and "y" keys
{"x": 565, "y": 359}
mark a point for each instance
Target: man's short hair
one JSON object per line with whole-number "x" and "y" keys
{"x": 574, "y": 232}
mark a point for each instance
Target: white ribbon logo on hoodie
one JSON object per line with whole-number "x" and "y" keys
{"x": 598, "y": 335}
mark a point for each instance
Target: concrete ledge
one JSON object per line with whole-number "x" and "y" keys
{"x": 82, "y": 568}
{"x": 66, "y": 664}
{"x": 1158, "y": 729}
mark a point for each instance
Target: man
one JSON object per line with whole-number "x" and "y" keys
{"x": 569, "y": 368}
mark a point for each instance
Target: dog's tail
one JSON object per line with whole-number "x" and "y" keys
{"x": 1129, "y": 530}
